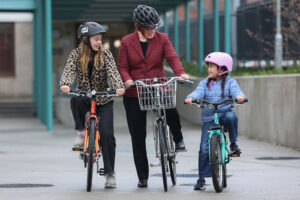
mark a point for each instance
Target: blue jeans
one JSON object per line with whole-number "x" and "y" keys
{"x": 230, "y": 122}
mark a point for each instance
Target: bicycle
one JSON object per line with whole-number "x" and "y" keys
{"x": 158, "y": 94}
{"x": 91, "y": 151}
{"x": 219, "y": 154}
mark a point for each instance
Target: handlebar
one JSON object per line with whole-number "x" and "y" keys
{"x": 202, "y": 102}
{"x": 172, "y": 79}
{"x": 92, "y": 93}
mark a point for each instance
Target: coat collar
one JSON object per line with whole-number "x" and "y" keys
{"x": 138, "y": 48}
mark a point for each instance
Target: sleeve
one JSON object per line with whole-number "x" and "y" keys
{"x": 235, "y": 89}
{"x": 123, "y": 65}
{"x": 172, "y": 58}
{"x": 199, "y": 92}
{"x": 69, "y": 74}
{"x": 113, "y": 75}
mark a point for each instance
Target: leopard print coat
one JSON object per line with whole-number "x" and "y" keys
{"x": 106, "y": 77}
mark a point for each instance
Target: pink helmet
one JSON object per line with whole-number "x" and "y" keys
{"x": 220, "y": 59}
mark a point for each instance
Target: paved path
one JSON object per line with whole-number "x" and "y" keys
{"x": 31, "y": 155}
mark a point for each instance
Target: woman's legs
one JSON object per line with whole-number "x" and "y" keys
{"x": 136, "y": 120}
{"x": 107, "y": 139}
{"x": 79, "y": 106}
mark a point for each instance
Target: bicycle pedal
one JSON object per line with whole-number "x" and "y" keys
{"x": 77, "y": 148}
{"x": 235, "y": 154}
{"x": 101, "y": 172}
{"x": 155, "y": 165}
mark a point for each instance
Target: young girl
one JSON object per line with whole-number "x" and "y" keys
{"x": 95, "y": 69}
{"x": 215, "y": 88}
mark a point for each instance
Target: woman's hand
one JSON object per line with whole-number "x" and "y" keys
{"x": 240, "y": 99}
{"x": 185, "y": 76}
{"x": 128, "y": 83}
{"x": 188, "y": 101}
{"x": 65, "y": 89}
{"x": 120, "y": 92}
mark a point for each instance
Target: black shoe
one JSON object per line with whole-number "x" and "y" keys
{"x": 143, "y": 183}
{"x": 200, "y": 184}
{"x": 234, "y": 148}
{"x": 180, "y": 146}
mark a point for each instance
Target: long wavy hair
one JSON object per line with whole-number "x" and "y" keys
{"x": 87, "y": 55}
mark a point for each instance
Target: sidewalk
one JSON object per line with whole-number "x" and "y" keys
{"x": 31, "y": 155}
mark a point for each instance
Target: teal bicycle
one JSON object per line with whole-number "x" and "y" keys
{"x": 219, "y": 153}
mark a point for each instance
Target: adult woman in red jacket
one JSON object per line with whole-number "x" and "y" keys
{"x": 141, "y": 56}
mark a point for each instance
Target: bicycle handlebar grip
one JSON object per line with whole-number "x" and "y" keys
{"x": 197, "y": 101}
{"x": 246, "y": 100}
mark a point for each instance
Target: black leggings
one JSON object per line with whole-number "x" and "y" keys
{"x": 136, "y": 120}
{"x": 80, "y": 106}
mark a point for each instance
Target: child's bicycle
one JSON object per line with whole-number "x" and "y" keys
{"x": 157, "y": 95}
{"x": 219, "y": 154}
{"x": 91, "y": 151}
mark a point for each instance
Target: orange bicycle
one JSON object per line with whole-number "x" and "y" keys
{"x": 91, "y": 151}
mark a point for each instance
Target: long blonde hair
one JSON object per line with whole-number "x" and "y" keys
{"x": 86, "y": 55}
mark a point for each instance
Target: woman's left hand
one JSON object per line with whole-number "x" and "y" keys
{"x": 240, "y": 99}
{"x": 185, "y": 76}
{"x": 120, "y": 92}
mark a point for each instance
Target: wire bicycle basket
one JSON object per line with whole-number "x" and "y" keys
{"x": 155, "y": 94}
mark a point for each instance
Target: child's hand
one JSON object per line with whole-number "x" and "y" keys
{"x": 188, "y": 101}
{"x": 120, "y": 91}
{"x": 240, "y": 99}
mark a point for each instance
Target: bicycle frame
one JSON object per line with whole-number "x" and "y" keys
{"x": 220, "y": 133}
{"x": 92, "y": 115}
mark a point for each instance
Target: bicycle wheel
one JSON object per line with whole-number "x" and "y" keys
{"x": 163, "y": 159}
{"x": 172, "y": 158}
{"x": 217, "y": 169}
{"x": 225, "y": 176}
{"x": 91, "y": 151}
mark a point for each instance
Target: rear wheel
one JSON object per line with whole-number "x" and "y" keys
{"x": 91, "y": 151}
{"x": 217, "y": 168}
{"x": 163, "y": 159}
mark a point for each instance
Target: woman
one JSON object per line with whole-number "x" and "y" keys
{"x": 141, "y": 56}
{"x": 94, "y": 69}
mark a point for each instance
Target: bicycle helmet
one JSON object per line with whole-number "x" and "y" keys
{"x": 221, "y": 59}
{"x": 146, "y": 16}
{"x": 89, "y": 29}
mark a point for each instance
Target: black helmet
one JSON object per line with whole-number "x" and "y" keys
{"x": 146, "y": 16}
{"x": 89, "y": 29}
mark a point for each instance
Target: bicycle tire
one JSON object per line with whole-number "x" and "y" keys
{"x": 172, "y": 159}
{"x": 217, "y": 169}
{"x": 225, "y": 176}
{"x": 91, "y": 150}
{"x": 162, "y": 155}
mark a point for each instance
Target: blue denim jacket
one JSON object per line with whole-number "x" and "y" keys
{"x": 214, "y": 94}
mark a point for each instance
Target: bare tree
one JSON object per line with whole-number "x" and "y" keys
{"x": 290, "y": 28}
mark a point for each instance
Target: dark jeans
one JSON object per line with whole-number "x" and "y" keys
{"x": 80, "y": 106}
{"x": 136, "y": 120}
{"x": 229, "y": 121}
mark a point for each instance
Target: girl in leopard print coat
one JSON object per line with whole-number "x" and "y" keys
{"x": 94, "y": 68}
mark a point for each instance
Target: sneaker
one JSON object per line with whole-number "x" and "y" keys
{"x": 200, "y": 184}
{"x": 180, "y": 146}
{"x": 110, "y": 181}
{"x": 234, "y": 147}
{"x": 79, "y": 141}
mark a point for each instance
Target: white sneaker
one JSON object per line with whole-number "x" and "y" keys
{"x": 79, "y": 141}
{"x": 110, "y": 181}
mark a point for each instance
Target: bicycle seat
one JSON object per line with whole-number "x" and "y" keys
{"x": 215, "y": 127}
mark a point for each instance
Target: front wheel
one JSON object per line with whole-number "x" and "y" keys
{"x": 217, "y": 168}
{"x": 91, "y": 151}
{"x": 172, "y": 158}
{"x": 163, "y": 158}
